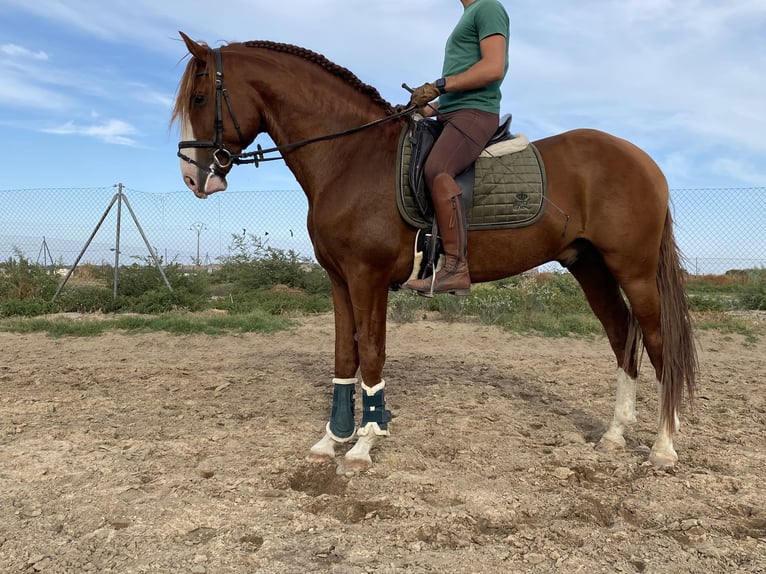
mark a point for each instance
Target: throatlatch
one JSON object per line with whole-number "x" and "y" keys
{"x": 375, "y": 416}
{"x": 341, "y": 426}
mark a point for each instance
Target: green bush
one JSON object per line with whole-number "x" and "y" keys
{"x": 85, "y": 299}
{"x": 25, "y": 288}
{"x": 736, "y": 290}
{"x": 549, "y": 304}
{"x": 279, "y": 300}
{"x": 141, "y": 289}
{"x": 252, "y": 264}
{"x": 753, "y": 294}
{"x": 24, "y": 307}
{"x": 709, "y": 303}
{"x": 21, "y": 280}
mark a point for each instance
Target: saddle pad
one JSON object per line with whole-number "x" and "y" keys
{"x": 509, "y": 191}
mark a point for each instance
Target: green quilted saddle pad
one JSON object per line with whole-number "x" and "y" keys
{"x": 509, "y": 191}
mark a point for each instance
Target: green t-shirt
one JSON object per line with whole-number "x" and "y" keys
{"x": 480, "y": 19}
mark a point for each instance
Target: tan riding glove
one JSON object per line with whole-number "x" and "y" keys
{"x": 424, "y": 94}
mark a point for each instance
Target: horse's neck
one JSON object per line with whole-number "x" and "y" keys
{"x": 295, "y": 121}
{"x": 329, "y": 107}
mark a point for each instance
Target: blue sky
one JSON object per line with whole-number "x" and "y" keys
{"x": 87, "y": 86}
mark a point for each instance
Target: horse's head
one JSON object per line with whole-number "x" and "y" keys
{"x": 228, "y": 95}
{"x": 211, "y": 134}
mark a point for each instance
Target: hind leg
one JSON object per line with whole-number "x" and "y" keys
{"x": 606, "y": 301}
{"x": 624, "y": 413}
{"x": 644, "y": 298}
{"x": 663, "y": 455}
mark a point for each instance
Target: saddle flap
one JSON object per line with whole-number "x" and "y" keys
{"x": 503, "y": 131}
{"x": 424, "y": 135}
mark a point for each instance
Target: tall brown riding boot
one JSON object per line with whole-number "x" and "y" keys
{"x": 453, "y": 277}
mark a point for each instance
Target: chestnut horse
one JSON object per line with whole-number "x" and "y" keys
{"x": 606, "y": 220}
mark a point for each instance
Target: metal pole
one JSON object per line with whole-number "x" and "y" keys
{"x": 84, "y": 249}
{"x": 117, "y": 241}
{"x": 148, "y": 245}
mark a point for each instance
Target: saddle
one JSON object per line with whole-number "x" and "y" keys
{"x": 424, "y": 135}
{"x": 504, "y": 188}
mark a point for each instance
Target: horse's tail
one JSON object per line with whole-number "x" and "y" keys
{"x": 679, "y": 354}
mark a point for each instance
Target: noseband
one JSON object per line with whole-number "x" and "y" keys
{"x": 223, "y": 157}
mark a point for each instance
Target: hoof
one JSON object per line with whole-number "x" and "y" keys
{"x": 353, "y": 465}
{"x": 608, "y": 445}
{"x": 319, "y": 457}
{"x": 663, "y": 460}
{"x": 323, "y": 451}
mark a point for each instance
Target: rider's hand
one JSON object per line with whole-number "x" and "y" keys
{"x": 429, "y": 110}
{"x": 424, "y": 94}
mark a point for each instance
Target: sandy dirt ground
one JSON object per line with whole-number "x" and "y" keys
{"x": 185, "y": 454}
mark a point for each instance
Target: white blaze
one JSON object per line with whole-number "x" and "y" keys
{"x": 190, "y": 172}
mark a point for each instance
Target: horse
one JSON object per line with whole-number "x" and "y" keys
{"x": 607, "y": 220}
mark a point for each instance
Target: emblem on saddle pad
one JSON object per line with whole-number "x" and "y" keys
{"x": 505, "y": 187}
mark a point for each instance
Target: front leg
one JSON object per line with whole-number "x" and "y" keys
{"x": 340, "y": 428}
{"x": 375, "y": 419}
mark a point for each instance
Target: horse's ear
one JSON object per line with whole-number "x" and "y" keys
{"x": 199, "y": 51}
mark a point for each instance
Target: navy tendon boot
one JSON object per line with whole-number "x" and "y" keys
{"x": 375, "y": 416}
{"x": 341, "y": 425}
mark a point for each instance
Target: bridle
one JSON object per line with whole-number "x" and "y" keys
{"x": 223, "y": 157}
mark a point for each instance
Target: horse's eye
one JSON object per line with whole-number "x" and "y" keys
{"x": 199, "y": 99}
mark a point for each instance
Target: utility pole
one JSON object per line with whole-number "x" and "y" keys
{"x": 199, "y": 227}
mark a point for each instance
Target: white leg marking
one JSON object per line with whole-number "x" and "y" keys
{"x": 358, "y": 458}
{"x": 323, "y": 451}
{"x": 624, "y": 412}
{"x": 663, "y": 454}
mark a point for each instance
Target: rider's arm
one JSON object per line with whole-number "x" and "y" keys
{"x": 487, "y": 70}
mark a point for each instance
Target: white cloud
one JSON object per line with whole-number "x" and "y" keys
{"x": 19, "y": 91}
{"x": 110, "y": 131}
{"x": 683, "y": 72}
{"x": 14, "y": 50}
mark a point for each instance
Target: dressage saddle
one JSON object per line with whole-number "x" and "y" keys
{"x": 424, "y": 135}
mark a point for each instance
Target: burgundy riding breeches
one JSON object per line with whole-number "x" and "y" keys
{"x": 465, "y": 135}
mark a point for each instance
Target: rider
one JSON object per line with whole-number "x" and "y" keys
{"x": 475, "y": 64}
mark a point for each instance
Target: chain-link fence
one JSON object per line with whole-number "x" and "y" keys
{"x": 717, "y": 229}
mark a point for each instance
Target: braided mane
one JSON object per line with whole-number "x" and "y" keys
{"x": 339, "y": 71}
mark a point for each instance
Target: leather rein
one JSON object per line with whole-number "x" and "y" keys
{"x": 223, "y": 157}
